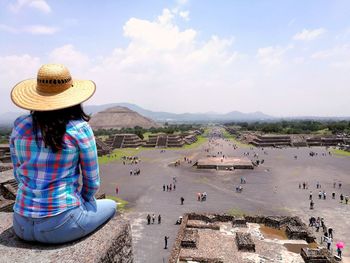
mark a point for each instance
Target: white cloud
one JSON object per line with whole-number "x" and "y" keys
{"x": 308, "y": 35}
{"x": 182, "y": 2}
{"x": 272, "y": 56}
{"x": 299, "y": 60}
{"x": 185, "y": 15}
{"x": 338, "y": 56}
{"x": 162, "y": 59}
{"x": 40, "y": 30}
{"x": 69, "y": 56}
{"x": 30, "y": 29}
{"x": 14, "y": 69}
{"x": 8, "y": 29}
{"x": 40, "y": 5}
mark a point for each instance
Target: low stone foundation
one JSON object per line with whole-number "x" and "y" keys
{"x": 188, "y": 248}
{"x": 111, "y": 243}
{"x": 190, "y": 238}
{"x": 239, "y": 222}
{"x": 245, "y": 242}
{"x": 316, "y": 255}
{"x": 203, "y": 225}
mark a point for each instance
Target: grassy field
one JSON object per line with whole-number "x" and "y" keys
{"x": 121, "y": 203}
{"x": 117, "y": 154}
{"x": 200, "y": 140}
{"x": 230, "y": 137}
{"x": 236, "y": 212}
{"x": 340, "y": 152}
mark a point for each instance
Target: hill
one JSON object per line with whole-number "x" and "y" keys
{"x": 120, "y": 117}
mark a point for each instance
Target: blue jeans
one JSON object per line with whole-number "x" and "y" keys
{"x": 67, "y": 226}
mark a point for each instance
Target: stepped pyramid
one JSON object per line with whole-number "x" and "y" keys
{"x": 120, "y": 117}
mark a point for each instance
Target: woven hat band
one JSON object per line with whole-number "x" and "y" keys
{"x": 53, "y": 86}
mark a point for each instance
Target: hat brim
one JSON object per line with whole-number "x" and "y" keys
{"x": 26, "y": 96}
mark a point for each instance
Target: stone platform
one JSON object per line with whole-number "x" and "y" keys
{"x": 111, "y": 243}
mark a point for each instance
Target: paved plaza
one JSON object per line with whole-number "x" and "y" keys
{"x": 271, "y": 188}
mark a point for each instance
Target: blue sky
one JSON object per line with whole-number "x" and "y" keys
{"x": 285, "y": 58}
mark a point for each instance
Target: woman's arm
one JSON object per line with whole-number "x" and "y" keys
{"x": 14, "y": 157}
{"x": 88, "y": 162}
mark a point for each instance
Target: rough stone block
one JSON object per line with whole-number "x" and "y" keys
{"x": 190, "y": 238}
{"x": 239, "y": 222}
{"x": 245, "y": 242}
{"x": 111, "y": 243}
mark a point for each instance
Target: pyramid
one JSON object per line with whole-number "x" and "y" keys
{"x": 118, "y": 118}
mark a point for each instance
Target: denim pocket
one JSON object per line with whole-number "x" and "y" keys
{"x": 65, "y": 231}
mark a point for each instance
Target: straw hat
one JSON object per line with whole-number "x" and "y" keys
{"x": 53, "y": 89}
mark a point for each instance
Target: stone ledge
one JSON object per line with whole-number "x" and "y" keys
{"x": 111, "y": 243}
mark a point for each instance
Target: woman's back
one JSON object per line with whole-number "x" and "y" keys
{"x": 48, "y": 180}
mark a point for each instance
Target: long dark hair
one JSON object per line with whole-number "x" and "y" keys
{"x": 52, "y": 124}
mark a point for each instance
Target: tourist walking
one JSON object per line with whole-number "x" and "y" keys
{"x": 159, "y": 219}
{"x": 153, "y": 218}
{"x": 164, "y": 187}
{"x": 182, "y": 200}
{"x": 329, "y": 243}
{"x": 330, "y": 232}
{"x": 116, "y": 189}
{"x": 166, "y": 242}
{"x": 310, "y": 196}
{"x": 339, "y": 252}
{"x": 148, "y": 219}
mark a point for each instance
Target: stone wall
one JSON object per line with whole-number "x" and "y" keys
{"x": 111, "y": 243}
{"x": 175, "y": 252}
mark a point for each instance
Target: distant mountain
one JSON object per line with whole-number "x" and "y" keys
{"x": 6, "y": 119}
{"x": 160, "y": 116}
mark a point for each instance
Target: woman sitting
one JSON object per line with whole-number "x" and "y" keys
{"x": 50, "y": 148}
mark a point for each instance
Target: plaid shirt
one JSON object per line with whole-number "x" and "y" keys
{"x": 48, "y": 182}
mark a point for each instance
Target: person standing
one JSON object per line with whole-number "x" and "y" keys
{"x": 116, "y": 190}
{"x": 163, "y": 187}
{"x": 182, "y": 200}
{"x": 153, "y": 218}
{"x": 330, "y": 232}
{"x": 339, "y": 252}
{"x": 159, "y": 219}
{"x": 166, "y": 242}
{"x": 148, "y": 219}
{"x": 310, "y": 196}
{"x": 329, "y": 243}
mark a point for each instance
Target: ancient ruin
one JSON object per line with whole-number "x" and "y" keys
{"x": 126, "y": 140}
{"x": 225, "y": 238}
{"x": 120, "y": 117}
{"x": 227, "y": 163}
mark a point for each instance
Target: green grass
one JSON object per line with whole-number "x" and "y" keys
{"x": 117, "y": 154}
{"x": 103, "y": 137}
{"x": 324, "y": 132}
{"x": 146, "y": 135}
{"x": 121, "y": 203}
{"x": 232, "y": 138}
{"x": 200, "y": 140}
{"x": 340, "y": 152}
{"x": 206, "y": 132}
{"x": 236, "y": 212}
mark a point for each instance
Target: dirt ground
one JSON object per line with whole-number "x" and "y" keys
{"x": 271, "y": 188}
